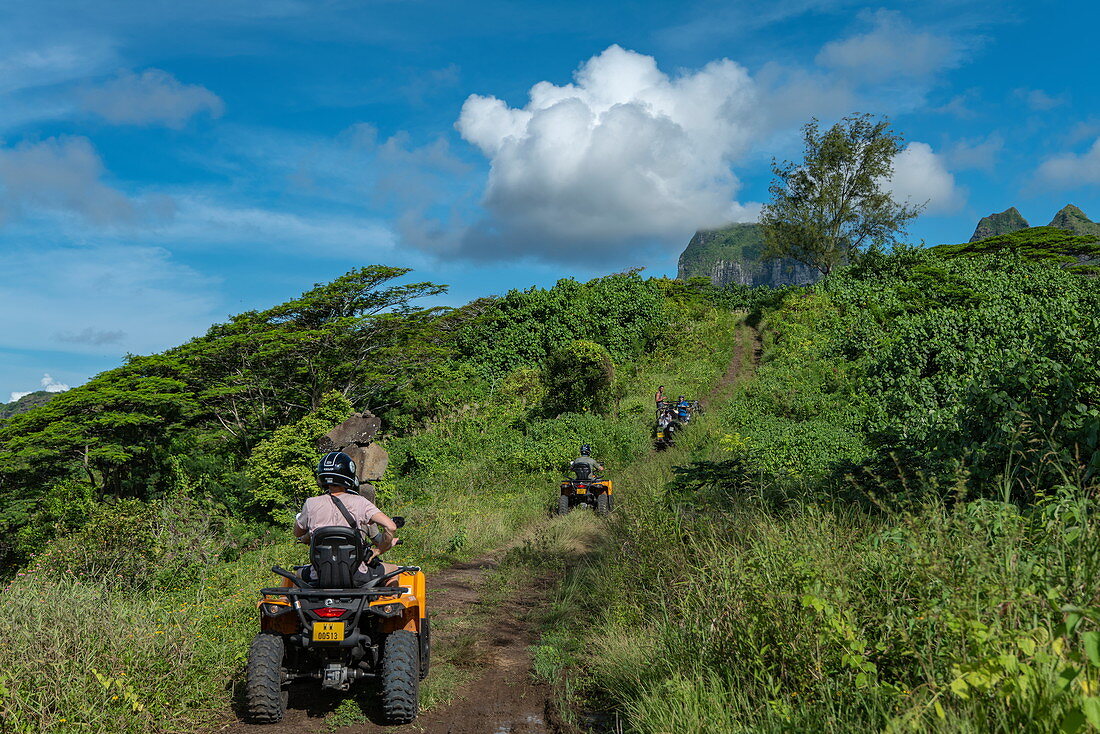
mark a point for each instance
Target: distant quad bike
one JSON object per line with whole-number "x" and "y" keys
{"x": 664, "y": 436}
{"x": 336, "y": 633}
{"x": 593, "y": 491}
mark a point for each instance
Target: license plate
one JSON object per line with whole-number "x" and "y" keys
{"x": 660, "y": 435}
{"x": 328, "y": 631}
{"x": 580, "y": 490}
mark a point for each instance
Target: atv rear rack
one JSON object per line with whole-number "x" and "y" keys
{"x": 335, "y": 593}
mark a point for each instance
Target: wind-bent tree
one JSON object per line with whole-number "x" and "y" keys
{"x": 833, "y": 204}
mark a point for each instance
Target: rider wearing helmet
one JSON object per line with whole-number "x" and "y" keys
{"x": 342, "y": 505}
{"x": 683, "y": 409}
{"x": 586, "y": 460}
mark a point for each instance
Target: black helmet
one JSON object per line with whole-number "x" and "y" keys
{"x": 336, "y": 467}
{"x": 586, "y": 450}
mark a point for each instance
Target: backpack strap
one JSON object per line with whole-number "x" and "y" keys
{"x": 347, "y": 515}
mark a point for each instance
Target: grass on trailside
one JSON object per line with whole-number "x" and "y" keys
{"x": 847, "y": 544}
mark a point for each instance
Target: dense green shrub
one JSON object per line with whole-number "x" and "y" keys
{"x": 281, "y": 468}
{"x": 624, "y": 313}
{"x": 579, "y": 378}
{"x": 913, "y": 364}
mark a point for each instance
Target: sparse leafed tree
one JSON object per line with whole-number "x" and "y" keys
{"x": 834, "y": 203}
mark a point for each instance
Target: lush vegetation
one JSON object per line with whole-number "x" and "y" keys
{"x": 172, "y": 477}
{"x": 887, "y": 524}
{"x": 890, "y": 526}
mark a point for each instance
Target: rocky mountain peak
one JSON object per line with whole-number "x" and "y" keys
{"x": 1071, "y": 217}
{"x": 1010, "y": 220}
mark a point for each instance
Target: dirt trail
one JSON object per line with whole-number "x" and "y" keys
{"x": 749, "y": 346}
{"x": 501, "y": 697}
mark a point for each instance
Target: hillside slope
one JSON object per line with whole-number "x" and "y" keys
{"x": 883, "y": 529}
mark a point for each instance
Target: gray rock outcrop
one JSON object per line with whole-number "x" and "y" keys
{"x": 355, "y": 437}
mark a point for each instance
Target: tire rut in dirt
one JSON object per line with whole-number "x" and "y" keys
{"x": 401, "y": 677}
{"x": 264, "y": 698}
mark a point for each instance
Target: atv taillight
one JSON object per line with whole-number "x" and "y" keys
{"x": 330, "y": 612}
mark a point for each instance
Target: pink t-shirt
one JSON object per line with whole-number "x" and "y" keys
{"x": 321, "y": 512}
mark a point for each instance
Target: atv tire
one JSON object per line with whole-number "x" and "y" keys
{"x": 401, "y": 677}
{"x": 603, "y": 505}
{"x": 563, "y": 505}
{"x": 265, "y": 698}
{"x": 425, "y": 646}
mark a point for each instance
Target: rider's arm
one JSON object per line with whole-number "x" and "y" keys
{"x": 384, "y": 540}
{"x": 301, "y": 525}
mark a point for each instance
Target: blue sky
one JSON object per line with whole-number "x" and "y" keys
{"x": 164, "y": 165}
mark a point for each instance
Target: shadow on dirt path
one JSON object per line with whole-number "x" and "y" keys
{"x": 493, "y": 630}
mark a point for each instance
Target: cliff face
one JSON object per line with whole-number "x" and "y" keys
{"x": 1010, "y": 220}
{"x": 733, "y": 255}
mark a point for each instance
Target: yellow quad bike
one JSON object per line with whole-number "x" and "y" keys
{"x": 594, "y": 492}
{"x": 335, "y": 632}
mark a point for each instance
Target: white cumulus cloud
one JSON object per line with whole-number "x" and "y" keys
{"x": 625, "y": 151}
{"x": 921, "y": 176}
{"x": 1070, "y": 170}
{"x": 150, "y": 98}
{"x": 49, "y": 384}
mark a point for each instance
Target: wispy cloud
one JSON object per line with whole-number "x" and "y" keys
{"x": 104, "y": 299}
{"x": 153, "y": 97}
{"x": 976, "y": 153}
{"x": 65, "y": 174}
{"x": 89, "y": 335}
{"x": 1072, "y": 170}
{"x": 1039, "y": 100}
{"x": 892, "y": 48}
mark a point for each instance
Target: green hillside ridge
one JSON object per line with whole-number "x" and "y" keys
{"x": 742, "y": 241}
{"x": 1080, "y": 254}
{"x": 1010, "y": 220}
{"x": 25, "y": 403}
